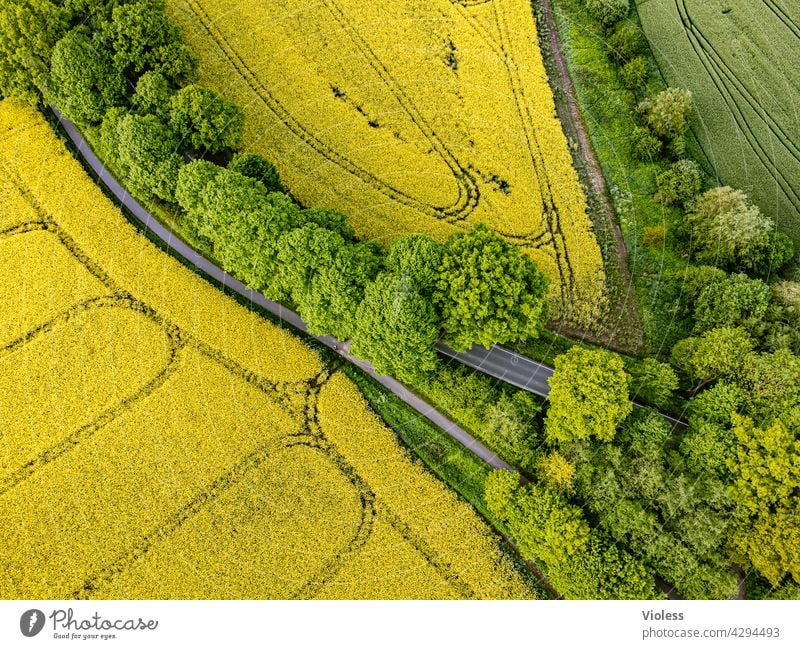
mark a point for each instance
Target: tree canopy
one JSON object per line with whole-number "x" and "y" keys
{"x": 488, "y": 292}
{"x": 588, "y": 396}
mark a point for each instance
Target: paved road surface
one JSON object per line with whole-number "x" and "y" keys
{"x": 521, "y": 371}
{"x": 284, "y": 314}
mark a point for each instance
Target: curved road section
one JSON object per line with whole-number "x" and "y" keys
{"x": 285, "y": 315}
{"x": 497, "y": 362}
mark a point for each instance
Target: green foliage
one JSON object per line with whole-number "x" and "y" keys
{"x": 139, "y": 37}
{"x": 766, "y": 474}
{"x": 728, "y": 231}
{"x": 153, "y": 95}
{"x": 667, "y": 114}
{"x": 29, "y": 29}
{"x": 503, "y": 418}
{"x": 708, "y": 447}
{"x": 717, "y": 404}
{"x": 771, "y": 383}
{"x": 417, "y": 257}
{"x": 329, "y": 219}
{"x": 717, "y": 354}
{"x": 645, "y": 145}
{"x": 626, "y": 43}
{"x": 608, "y": 12}
{"x": 499, "y": 491}
{"x": 396, "y": 329}
{"x": 588, "y": 396}
{"x": 325, "y": 277}
{"x": 206, "y": 121}
{"x": 148, "y": 156}
{"x": 556, "y": 472}
{"x": 488, "y": 291}
{"x": 644, "y": 497}
{"x": 680, "y": 184}
{"x": 653, "y": 381}
{"x": 735, "y": 301}
{"x": 192, "y": 181}
{"x": 255, "y": 166}
{"x": 634, "y": 73}
{"x": 603, "y": 571}
{"x": 82, "y": 83}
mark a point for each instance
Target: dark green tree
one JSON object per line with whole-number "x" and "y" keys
{"x": 396, "y": 329}
{"x": 255, "y": 166}
{"x": 206, "y": 121}
{"x": 29, "y": 29}
{"x": 417, "y": 257}
{"x": 653, "y": 382}
{"x": 148, "y": 156}
{"x": 153, "y": 95}
{"x": 488, "y": 292}
{"x": 82, "y": 83}
{"x": 139, "y": 37}
{"x": 735, "y": 301}
{"x": 680, "y": 184}
{"x": 608, "y": 12}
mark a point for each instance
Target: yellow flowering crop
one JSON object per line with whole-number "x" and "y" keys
{"x": 409, "y": 116}
{"x": 157, "y": 440}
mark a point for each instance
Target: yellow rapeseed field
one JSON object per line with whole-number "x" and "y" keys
{"x": 158, "y": 440}
{"x": 410, "y": 116}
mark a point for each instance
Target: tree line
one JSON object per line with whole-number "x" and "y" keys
{"x": 121, "y": 71}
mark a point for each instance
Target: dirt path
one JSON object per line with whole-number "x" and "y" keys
{"x": 628, "y": 310}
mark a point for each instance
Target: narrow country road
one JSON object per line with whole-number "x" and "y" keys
{"x": 498, "y": 362}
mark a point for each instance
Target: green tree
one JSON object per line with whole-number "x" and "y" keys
{"x": 139, "y": 37}
{"x": 417, "y": 257}
{"x": 717, "y": 354}
{"x": 206, "y": 121}
{"x": 499, "y": 491}
{"x": 557, "y": 472}
{"x": 153, "y": 95}
{"x": 667, "y": 114}
{"x": 634, "y": 73}
{"x": 255, "y": 166}
{"x": 608, "y": 12}
{"x": 148, "y": 155}
{"x": 653, "y": 381}
{"x": 645, "y": 145}
{"x": 396, "y": 329}
{"x": 192, "y": 181}
{"x": 680, "y": 184}
{"x": 735, "y": 301}
{"x": 770, "y": 383}
{"x": 488, "y": 291}
{"x": 329, "y": 219}
{"x": 727, "y": 230}
{"x": 29, "y": 29}
{"x": 588, "y": 396}
{"x": 626, "y": 43}
{"x": 82, "y": 84}
{"x": 766, "y": 472}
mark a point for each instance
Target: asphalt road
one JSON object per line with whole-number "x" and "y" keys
{"x": 522, "y": 372}
{"x": 285, "y": 315}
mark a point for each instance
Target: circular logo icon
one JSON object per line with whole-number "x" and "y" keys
{"x": 31, "y": 622}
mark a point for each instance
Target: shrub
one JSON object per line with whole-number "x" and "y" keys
{"x": 646, "y": 146}
{"x": 680, "y": 184}
{"x": 634, "y": 73}
{"x": 654, "y": 236}
{"x": 626, "y": 43}
{"x": 608, "y": 12}
{"x": 255, "y": 166}
{"x": 667, "y": 114}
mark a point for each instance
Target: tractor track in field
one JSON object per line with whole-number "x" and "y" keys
{"x": 470, "y": 191}
{"x": 719, "y": 72}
